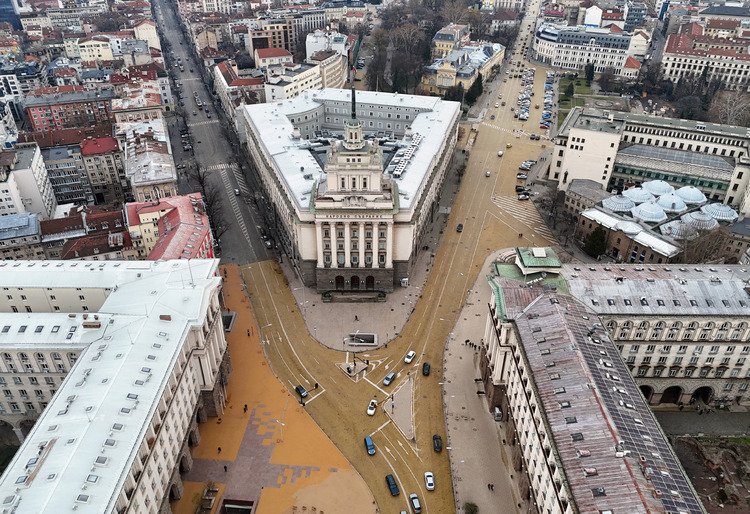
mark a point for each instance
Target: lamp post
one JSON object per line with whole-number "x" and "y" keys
{"x": 261, "y": 331}
{"x": 304, "y": 300}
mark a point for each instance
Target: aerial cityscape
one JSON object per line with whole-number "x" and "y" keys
{"x": 432, "y": 256}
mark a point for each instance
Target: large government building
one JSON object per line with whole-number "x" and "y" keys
{"x": 352, "y": 184}
{"x": 114, "y": 364}
{"x": 620, "y": 150}
{"x": 582, "y": 437}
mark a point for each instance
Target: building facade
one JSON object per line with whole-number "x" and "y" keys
{"x": 349, "y": 222}
{"x": 572, "y": 48}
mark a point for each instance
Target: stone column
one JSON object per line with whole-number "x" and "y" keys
{"x": 319, "y": 242}
{"x": 389, "y": 246}
{"x": 334, "y": 251}
{"x": 347, "y": 245}
{"x": 362, "y": 244}
{"x": 19, "y": 434}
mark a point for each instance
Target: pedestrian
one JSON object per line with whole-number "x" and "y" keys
{"x": 492, "y": 487}
{"x": 245, "y": 408}
{"x": 248, "y": 332}
{"x": 681, "y": 406}
{"x": 700, "y": 411}
{"x": 489, "y": 486}
{"x": 225, "y": 469}
{"x": 356, "y": 318}
{"x": 219, "y": 449}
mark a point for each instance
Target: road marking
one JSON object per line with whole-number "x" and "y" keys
{"x": 525, "y": 212}
{"x": 381, "y": 427}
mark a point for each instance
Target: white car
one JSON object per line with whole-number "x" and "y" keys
{"x": 371, "y": 408}
{"x": 429, "y": 481}
{"x": 410, "y": 357}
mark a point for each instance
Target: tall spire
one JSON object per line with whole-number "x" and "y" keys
{"x": 354, "y": 104}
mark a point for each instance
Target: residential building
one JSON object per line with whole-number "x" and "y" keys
{"x": 690, "y": 54}
{"x": 20, "y": 237}
{"x": 583, "y": 194}
{"x": 357, "y": 222}
{"x": 145, "y": 30}
{"x": 149, "y": 166}
{"x": 572, "y": 48}
{"x": 95, "y": 48}
{"x": 581, "y": 436}
{"x": 24, "y": 182}
{"x": 233, "y": 90}
{"x": 333, "y": 68}
{"x": 323, "y": 41}
{"x": 449, "y": 39}
{"x": 272, "y": 33}
{"x": 103, "y": 161}
{"x": 139, "y": 100}
{"x": 621, "y": 150}
{"x": 289, "y": 81}
{"x": 53, "y": 108}
{"x": 67, "y": 174}
{"x": 171, "y": 228}
{"x": 123, "y": 360}
{"x": 462, "y": 67}
{"x": 266, "y": 57}
{"x": 79, "y": 222}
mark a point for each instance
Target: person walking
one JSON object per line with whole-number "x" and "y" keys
{"x": 225, "y": 469}
{"x": 219, "y": 449}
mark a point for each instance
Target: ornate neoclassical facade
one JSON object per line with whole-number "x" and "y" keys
{"x": 350, "y": 207}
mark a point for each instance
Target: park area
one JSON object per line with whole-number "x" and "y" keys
{"x": 575, "y": 92}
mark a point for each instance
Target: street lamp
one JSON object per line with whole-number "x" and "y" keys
{"x": 304, "y": 301}
{"x": 261, "y": 331}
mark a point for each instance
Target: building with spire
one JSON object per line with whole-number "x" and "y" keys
{"x": 351, "y": 186}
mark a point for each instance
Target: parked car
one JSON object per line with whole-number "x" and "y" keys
{"x": 236, "y": 192}
{"x": 487, "y": 173}
{"x": 521, "y": 176}
{"x": 373, "y": 405}
{"x": 426, "y": 368}
{"x": 410, "y": 357}
{"x": 429, "y": 481}
{"x": 437, "y": 443}
{"x": 500, "y": 153}
{"x": 520, "y": 189}
{"x": 460, "y": 227}
{"x": 523, "y": 197}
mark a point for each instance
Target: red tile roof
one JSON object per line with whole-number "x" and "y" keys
{"x": 265, "y": 53}
{"x": 614, "y": 29}
{"x": 722, "y": 24}
{"x": 95, "y": 146}
{"x": 71, "y": 136}
{"x": 95, "y": 245}
{"x": 632, "y": 63}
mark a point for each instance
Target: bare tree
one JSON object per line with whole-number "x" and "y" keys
{"x": 606, "y": 80}
{"x": 455, "y": 11}
{"x": 407, "y": 37}
{"x": 708, "y": 247}
{"x": 200, "y": 176}
{"x": 731, "y": 108}
{"x": 217, "y": 216}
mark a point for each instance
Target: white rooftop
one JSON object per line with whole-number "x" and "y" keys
{"x": 272, "y": 123}
{"x": 79, "y": 453}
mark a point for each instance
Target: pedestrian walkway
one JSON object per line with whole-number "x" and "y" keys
{"x": 525, "y": 212}
{"x": 201, "y": 123}
{"x": 265, "y": 448}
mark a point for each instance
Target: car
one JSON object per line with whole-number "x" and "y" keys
{"x": 415, "y": 505}
{"x": 369, "y": 445}
{"x": 487, "y": 173}
{"x": 503, "y": 104}
{"x": 181, "y": 97}
{"x": 389, "y": 378}
{"x": 268, "y": 243}
{"x": 500, "y": 153}
{"x": 508, "y": 145}
{"x": 236, "y": 192}
{"x": 520, "y": 189}
{"x": 208, "y": 114}
{"x": 512, "y": 109}
{"x": 523, "y": 197}
{"x": 437, "y": 443}
{"x": 410, "y": 357}
{"x": 497, "y": 105}
{"x": 182, "y": 104}
{"x": 392, "y": 486}
{"x": 500, "y": 96}
{"x": 521, "y": 176}
{"x": 301, "y": 391}
{"x": 537, "y": 137}
{"x": 524, "y": 167}
{"x": 195, "y": 113}
{"x": 181, "y": 167}
{"x": 429, "y": 481}
{"x": 191, "y": 70}
{"x": 532, "y": 137}
{"x": 372, "y": 407}
{"x": 460, "y": 227}
{"x": 492, "y": 117}
{"x": 426, "y": 368}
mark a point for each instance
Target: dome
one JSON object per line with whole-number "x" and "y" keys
{"x": 649, "y": 212}
{"x": 720, "y": 212}
{"x": 629, "y": 227}
{"x": 678, "y": 229}
{"x": 670, "y": 202}
{"x": 618, "y": 203}
{"x": 691, "y": 194}
{"x": 658, "y": 187}
{"x": 700, "y": 220}
{"x": 638, "y": 195}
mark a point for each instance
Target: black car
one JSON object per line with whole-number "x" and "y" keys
{"x": 426, "y": 368}
{"x": 520, "y": 189}
{"x": 437, "y": 443}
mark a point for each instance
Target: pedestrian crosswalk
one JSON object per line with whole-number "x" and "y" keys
{"x": 524, "y": 212}
{"x": 200, "y": 123}
{"x": 234, "y": 204}
{"x": 520, "y": 132}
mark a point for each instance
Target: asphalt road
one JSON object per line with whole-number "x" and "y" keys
{"x": 212, "y": 149}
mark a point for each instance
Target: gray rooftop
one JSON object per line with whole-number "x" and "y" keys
{"x": 75, "y": 96}
{"x": 19, "y": 225}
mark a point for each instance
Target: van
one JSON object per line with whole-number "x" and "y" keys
{"x": 301, "y": 391}
{"x": 369, "y": 445}
{"x": 392, "y": 486}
